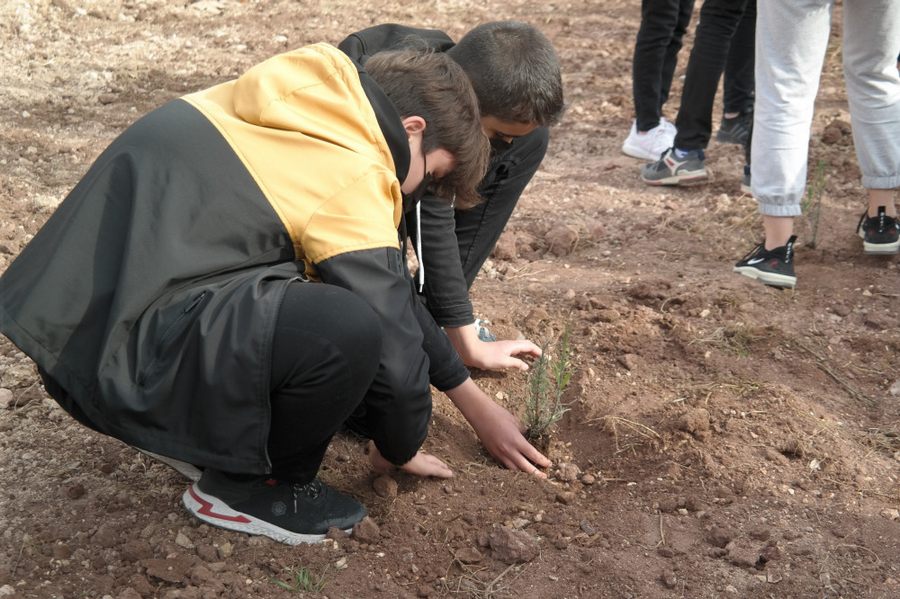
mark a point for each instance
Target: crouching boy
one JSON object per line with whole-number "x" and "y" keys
{"x": 226, "y": 284}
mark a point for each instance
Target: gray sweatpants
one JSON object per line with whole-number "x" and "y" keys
{"x": 791, "y": 39}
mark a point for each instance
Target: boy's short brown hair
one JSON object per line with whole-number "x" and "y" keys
{"x": 431, "y": 85}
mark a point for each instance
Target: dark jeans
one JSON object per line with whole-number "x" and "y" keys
{"x": 479, "y": 228}
{"x": 325, "y": 354}
{"x": 720, "y": 22}
{"x": 663, "y": 24}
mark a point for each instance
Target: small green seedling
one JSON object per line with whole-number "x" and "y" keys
{"x": 302, "y": 580}
{"x": 547, "y": 381}
{"x": 812, "y": 205}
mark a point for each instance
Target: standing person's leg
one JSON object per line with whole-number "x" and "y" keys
{"x": 791, "y": 38}
{"x": 479, "y": 228}
{"x": 663, "y": 24}
{"x": 738, "y": 85}
{"x": 719, "y": 20}
{"x": 655, "y": 50}
{"x": 670, "y": 58}
{"x": 684, "y": 162}
{"x": 324, "y": 355}
{"x": 871, "y": 37}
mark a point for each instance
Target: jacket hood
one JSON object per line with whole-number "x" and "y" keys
{"x": 303, "y": 91}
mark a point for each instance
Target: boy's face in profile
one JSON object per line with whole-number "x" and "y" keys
{"x": 505, "y": 131}
{"x": 437, "y": 163}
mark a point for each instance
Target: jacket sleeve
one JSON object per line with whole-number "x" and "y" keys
{"x": 446, "y": 292}
{"x": 398, "y": 405}
{"x": 390, "y": 36}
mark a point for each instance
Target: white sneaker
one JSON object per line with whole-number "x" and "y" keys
{"x": 651, "y": 144}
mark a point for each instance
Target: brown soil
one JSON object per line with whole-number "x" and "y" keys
{"x": 722, "y": 439}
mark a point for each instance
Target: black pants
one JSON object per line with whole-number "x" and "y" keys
{"x": 479, "y": 228}
{"x": 724, "y": 36}
{"x": 663, "y": 24}
{"x": 325, "y": 354}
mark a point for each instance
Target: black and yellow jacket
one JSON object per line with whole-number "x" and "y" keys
{"x": 151, "y": 294}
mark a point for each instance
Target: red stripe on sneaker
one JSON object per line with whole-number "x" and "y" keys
{"x": 206, "y": 508}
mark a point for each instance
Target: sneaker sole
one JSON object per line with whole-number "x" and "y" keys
{"x": 638, "y": 153}
{"x": 692, "y": 179}
{"x": 216, "y": 512}
{"x": 881, "y": 249}
{"x": 767, "y": 278}
{"x": 189, "y": 471}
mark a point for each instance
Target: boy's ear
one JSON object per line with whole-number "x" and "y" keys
{"x": 414, "y": 124}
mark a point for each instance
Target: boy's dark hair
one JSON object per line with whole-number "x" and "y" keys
{"x": 432, "y": 86}
{"x": 514, "y": 70}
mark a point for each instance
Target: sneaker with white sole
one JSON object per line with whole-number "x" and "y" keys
{"x": 669, "y": 169}
{"x": 649, "y": 145}
{"x": 289, "y": 513}
{"x": 880, "y": 233}
{"x": 773, "y": 267}
{"x": 484, "y": 333}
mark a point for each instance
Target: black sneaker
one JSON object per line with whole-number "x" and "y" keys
{"x": 735, "y": 130}
{"x": 772, "y": 267}
{"x": 288, "y": 513}
{"x": 671, "y": 170}
{"x": 880, "y": 233}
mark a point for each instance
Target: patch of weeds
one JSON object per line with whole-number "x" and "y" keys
{"x": 811, "y": 206}
{"x": 737, "y": 339}
{"x": 547, "y": 381}
{"x": 302, "y": 580}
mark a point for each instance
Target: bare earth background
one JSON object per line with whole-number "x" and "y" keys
{"x": 724, "y": 439}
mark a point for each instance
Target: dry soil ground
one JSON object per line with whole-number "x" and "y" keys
{"x": 724, "y": 439}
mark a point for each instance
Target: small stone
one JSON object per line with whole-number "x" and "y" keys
{"x": 696, "y": 422}
{"x": 891, "y": 514}
{"x": 669, "y": 579}
{"x": 182, "y": 540}
{"x": 6, "y": 398}
{"x": 513, "y": 546}
{"x": 341, "y": 564}
{"x": 366, "y": 531}
{"x": 561, "y": 240}
{"x": 665, "y": 552}
{"x": 75, "y": 491}
{"x": 385, "y": 486}
{"x": 225, "y": 550}
{"x": 468, "y": 555}
{"x": 629, "y": 361}
{"x": 568, "y": 472}
{"x": 731, "y": 590}
{"x": 608, "y": 315}
{"x": 719, "y": 537}
{"x": 565, "y": 497}
{"x": 741, "y": 555}
{"x": 588, "y": 479}
{"x": 506, "y": 248}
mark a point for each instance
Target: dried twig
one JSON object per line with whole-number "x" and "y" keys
{"x": 822, "y": 363}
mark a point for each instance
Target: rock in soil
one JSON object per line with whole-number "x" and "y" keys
{"x": 366, "y": 531}
{"x": 385, "y": 486}
{"x": 513, "y": 546}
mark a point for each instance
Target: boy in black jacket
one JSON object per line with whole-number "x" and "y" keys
{"x": 516, "y": 75}
{"x": 166, "y": 302}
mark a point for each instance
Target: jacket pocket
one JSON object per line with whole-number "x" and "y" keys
{"x": 173, "y": 331}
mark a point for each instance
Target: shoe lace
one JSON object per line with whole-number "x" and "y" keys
{"x": 311, "y": 489}
{"x": 756, "y": 250}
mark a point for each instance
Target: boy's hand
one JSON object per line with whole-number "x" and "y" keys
{"x": 423, "y": 464}
{"x": 494, "y": 355}
{"x": 498, "y": 429}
